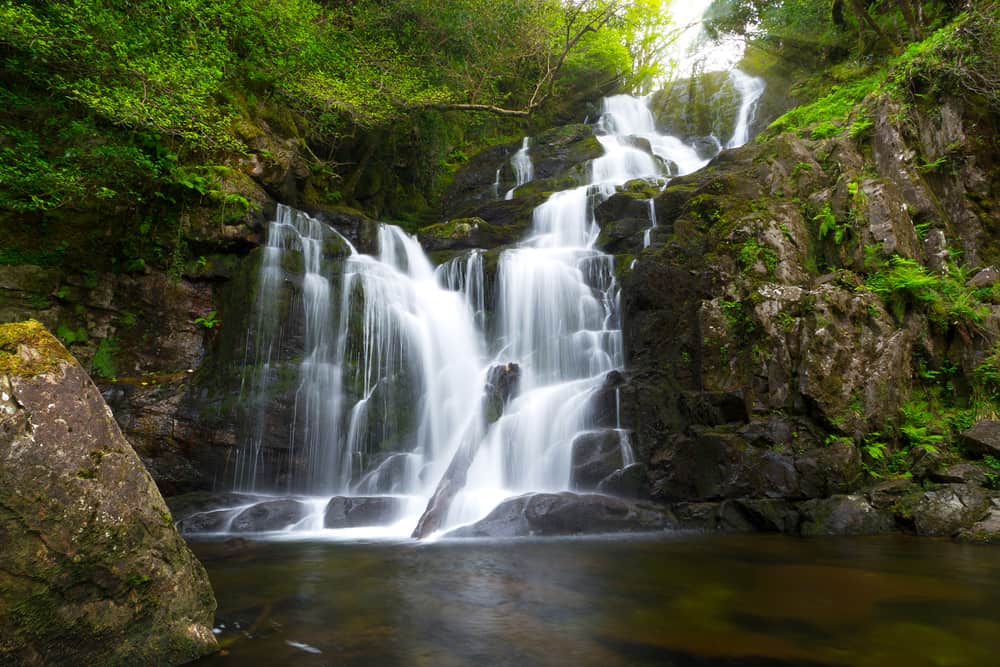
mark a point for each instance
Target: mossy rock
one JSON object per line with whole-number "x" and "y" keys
{"x": 27, "y": 349}
{"x": 92, "y": 569}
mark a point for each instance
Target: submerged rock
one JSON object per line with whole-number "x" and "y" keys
{"x": 93, "y": 571}
{"x": 349, "y": 512}
{"x": 566, "y": 513}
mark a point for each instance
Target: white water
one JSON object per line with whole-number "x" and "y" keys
{"x": 395, "y": 356}
{"x": 750, "y": 89}
{"x": 524, "y": 169}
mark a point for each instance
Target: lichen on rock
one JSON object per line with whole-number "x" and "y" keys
{"x": 92, "y": 569}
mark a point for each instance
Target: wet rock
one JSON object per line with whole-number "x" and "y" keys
{"x": 628, "y": 482}
{"x": 595, "y": 456}
{"x": 566, "y": 513}
{"x": 889, "y": 494}
{"x": 983, "y": 439}
{"x": 985, "y": 277}
{"x": 960, "y": 473}
{"x": 985, "y": 531}
{"x": 206, "y": 512}
{"x": 700, "y": 106}
{"x": 844, "y": 515}
{"x": 946, "y": 510}
{"x": 391, "y": 475}
{"x": 502, "y": 382}
{"x": 93, "y": 570}
{"x": 467, "y": 233}
{"x": 829, "y": 470}
{"x": 352, "y": 511}
{"x": 771, "y": 515}
{"x": 269, "y": 515}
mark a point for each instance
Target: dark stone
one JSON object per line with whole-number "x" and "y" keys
{"x": 566, "y": 513}
{"x": 985, "y": 531}
{"x": 985, "y": 277}
{"x": 771, "y": 515}
{"x": 696, "y": 516}
{"x": 715, "y": 408}
{"x": 844, "y": 515}
{"x": 983, "y": 439}
{"x": 91, "y": 567}
{"x": 189, "y": 504}
{"x": 467, "y": 233}
{"x": 887, "y": 495}
{"x": 628, "y": 482}
{"x": 348, "y": 511}
{"x": 502, "y": 382}
{"x": 269, "y": 515}
{"x": 946, "y": 510}
{"x": 389, "y": 476}
{"x": 595, "y": 456}
{"x": 834, "y": 469}
{"x": 960, "y": 473}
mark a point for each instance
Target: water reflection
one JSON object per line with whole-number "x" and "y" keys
{"x": 706, "y": 601}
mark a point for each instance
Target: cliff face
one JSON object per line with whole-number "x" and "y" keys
{"x": 92, "y": 568}
{"x": 815, "y": 316}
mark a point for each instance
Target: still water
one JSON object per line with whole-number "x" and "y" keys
{"x": 679, "y": 601}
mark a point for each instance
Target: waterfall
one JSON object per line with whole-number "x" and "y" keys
{"x": 395, "y": 353}
{"x": 646, "y": 237}
{"x": 524, "y": 170}
{"x": 750, "y": 89}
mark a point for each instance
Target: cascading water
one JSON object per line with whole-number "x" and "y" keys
{"x": 523, "y": 168}
{"x": 750, "y": 88}
{"x": 391, "y": 379}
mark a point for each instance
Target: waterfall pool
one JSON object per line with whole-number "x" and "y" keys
{"x": 665, "y": 600}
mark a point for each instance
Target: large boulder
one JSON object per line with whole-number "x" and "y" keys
{"x": 566, "y": 513}
{"x": 92, "y": 569}
{"x": 944, "y": 511}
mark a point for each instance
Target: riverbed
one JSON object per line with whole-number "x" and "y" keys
{"x": 665, "y": 600}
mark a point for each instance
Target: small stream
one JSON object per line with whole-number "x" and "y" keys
{"x": 687, "y": 600}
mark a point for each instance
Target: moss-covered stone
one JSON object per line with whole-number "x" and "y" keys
{"x": 27, "y": 349}
{"x": 92, "y": 569}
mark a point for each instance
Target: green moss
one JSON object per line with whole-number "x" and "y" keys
{"x": 45, "y": 352}
{"x": 103, "y": 364}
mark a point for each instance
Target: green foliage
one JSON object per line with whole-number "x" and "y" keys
{"x": 945, "y": 299}
{"x": 103, "y": 365}
{"x": 739, "y": 318}
{"x": 829, "y": 226}
{"x": 752, "y": 252}
{"x": 957, "y": 59}
{"x": 209, "y": 321}
{"x": 69, "y": 336}
{"x": 828, "y": 115}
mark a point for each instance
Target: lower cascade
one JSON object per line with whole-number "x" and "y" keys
{"x": 425, "y": 396}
